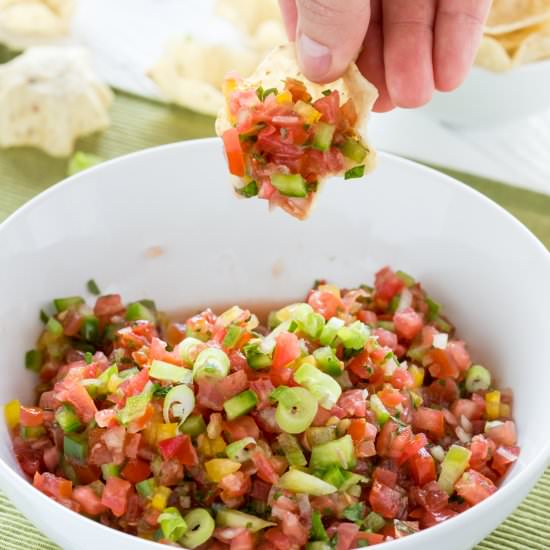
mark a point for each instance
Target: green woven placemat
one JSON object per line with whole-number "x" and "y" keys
{"x": 139, "y": 123}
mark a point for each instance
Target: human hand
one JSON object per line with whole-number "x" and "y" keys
{"x": 406, "y": 48}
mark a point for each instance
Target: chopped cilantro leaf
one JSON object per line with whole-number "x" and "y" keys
{"x": 355, "y": 172}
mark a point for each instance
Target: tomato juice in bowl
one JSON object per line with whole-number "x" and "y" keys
{"x": 215, "y": 249}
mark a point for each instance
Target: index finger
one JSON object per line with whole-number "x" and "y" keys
{"x": 458, "y": 30}
{"x": 290, "y": 17}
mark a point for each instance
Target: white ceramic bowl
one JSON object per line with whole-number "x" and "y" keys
{"x": 163, "y": 224}
{"x": 491, "y": 99}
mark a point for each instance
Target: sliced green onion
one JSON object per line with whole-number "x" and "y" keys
{"x": 351, "y": 480}
{"x": 296, "y": 409}
{"x": 92, "y": 287}
{"x": 171, "y": 373}
{"x": 330, "y": 330}
{"x": 179, "y": 403}
{"x": 33, "y": 360}
{"x": 105, "y": 376}
{"x": 240, "y": 404}
{"x": 135, "y": 407}
{"x": 355, "y": 172}
{"x": 290, "y": 185}
{"x": 110, "y": 470}
{"x": 339, "y": 452}
{"x": 328, "y": 362}
{"x": 232, "y": 336}
{"x": 200, "y": 527}
{"x": 249, "y": 190}
{"x": 318, "y": 531}
{"x": 353, "y": 150}
{"x": 233, "y": 518}
{"x": 379, "y": 409}
{"x": 375, "y": 522}
{"x": 406, "y": 278}
{"x": 322, "y": 136}
{"x": 302, "y": 482}
{"x": 75, "y": 447}
{"x": 256, "y": 358}
{"x": 240, "y": 450}
{"x": 173, "y": 526}
{"x": 147, "y": 487}
{"x": 62, "y": 304}
{"x": 354, "y": 336}
{"x": 293, "y": 452}
{"x": 54, "y": 327}
{"x": 323, "y": 387}
{"x": 453, "y": 466}
{"x": 442, "y": 325}
{"x": 189, "y": 348}
{"x": 136, "y": 311}
{"x": 89, "y": 330}
{"x": 477, "y": 378}
{"x": 193, "y": 426}
{"x": 335, "y": 476}
{"x": 211, "y": 362}
{"x": 309, "y": 321}
{"x": 67, "y": 419}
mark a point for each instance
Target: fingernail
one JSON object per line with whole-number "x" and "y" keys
{"x": 316, "y": 58}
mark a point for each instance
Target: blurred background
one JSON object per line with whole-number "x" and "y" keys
{"x": 127, "y": 74}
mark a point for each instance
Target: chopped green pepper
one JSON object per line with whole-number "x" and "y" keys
{"x": 241, "y": 404}
{"x": 67, "y": 419}
{"x": 322, "y": 136}
{"x": 62, "y": 304}
{"x": 33, "y": 360}
{"x": 75, "y": 447}
{"x": 290, "y": 185}
{"x": 353, "y": 150}
{"x": 293, "y": 452}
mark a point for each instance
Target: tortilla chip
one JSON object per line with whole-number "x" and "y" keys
{"x": 511, "y": 15}
{"x": 25, "y": 23}
{"x": 534, "y": 47}
{"x": 511, "y": 41}
{"x": 191, "y": 73}
{"x": 281, "y": 64}
{"x": 492, "y": 55}
{"x": 50, "y": 96}
{"x": 268, "y": 35}
{"x": 248, "y": 15}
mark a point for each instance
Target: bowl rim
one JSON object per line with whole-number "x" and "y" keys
{"x": 538, "y": 463}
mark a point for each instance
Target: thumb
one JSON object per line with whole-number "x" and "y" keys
{"x": 329, "y": 35}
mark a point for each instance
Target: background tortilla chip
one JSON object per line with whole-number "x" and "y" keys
{"x": 510, "y": 15}
{"x": 534, "y": 47}
{"x": 248, "y": 15}
{"x": 492, "y": 55}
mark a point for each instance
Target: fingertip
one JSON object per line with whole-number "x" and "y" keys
{"x": 290, "y": 17}
{"x": 383, "y": 104}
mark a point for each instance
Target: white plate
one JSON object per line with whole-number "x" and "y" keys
{"x": 163, "y": 224}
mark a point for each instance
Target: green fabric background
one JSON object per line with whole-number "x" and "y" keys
{"x": 139, "y": 123}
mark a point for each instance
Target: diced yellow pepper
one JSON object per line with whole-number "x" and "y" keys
{"x": 416, "y": 400}
{"x": 229, "y": 86}
{"x": 12, "y": 412}
{"x": 210, "y": 447}
{"x": 333, "y": 289}
{"x": 166, "y": 431}
{"x": 505, "y": 410}
{"x": 310, "y": 114}
{"x": 218, "y": 468}
{"x": 492, "y": 404}
{"x": 417, "y": 374}
{"x": 308, "y": 359}
{"x": 284, "y": 97}
{"x": 160, "y": 498}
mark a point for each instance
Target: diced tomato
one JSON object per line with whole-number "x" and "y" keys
{"x": 329, "y": 106}
{"x": 235, "y": 485}
{"x": 80, "y": 399}
{"x": 324, "y": 302}
{"x": 384, "y": 500}
{"x": 31, "y": 416}
{"x": 347, "y": 535}
{"x": 408, "y": 323}
{"x": 443, "y": 365}
{"x": 504, "y": 434}
{"x": 385, "y": 438}
{"x": 387, "y": 284}
{"x": 109, "y": 305}
{"x": 442, "y": 392}
{"x": 260, "y": 490}
{"x": 213, "y": 392}
{"x": 89, "y": 501}
{"x": 368, "y": 317}
{"x": 457, "y": 349}
{"x": 51, "y": 458}
{"x": 265, "y": 419}
{"x": 474, "y": 487}
{"x": 354, "y": 403}
{"x": 115, "y": 495}
{"x": 53, "y": 486}
{"x": 503, "y": 458}
{"x": 136, "y": 470}
{"x": 135, "y": 384}
{"x": 371, "y": 538}
{"x": 287, "y": 350}
{"x": 262, "y": 388}
{"x": 242, "y": 427}
{"x": 429, "y": 519}
{"x": 422, "y": 466}
{"x": 243, "y": 541}
{"x": 234, "y": 152}
{"x": 401, "y": 379}
{"x": 269, "y": 141}
{"x": 171, "y": 472}
{"x": 412, "y": 447}
{"x": 482, "y": 450}
{"x": 106, "y": 418}
{"x": 360, "y": 430}
{"x": 266, "y": 471}
{"x": 181, "y": 448}
{"x": 385, "y": 476}
{"x": 468, "y": 408}
{"x": 391, "y": 398}
{"x": 298, "y": 90}
{"x": 365, "y": 449}
{"x": 429, "y": 420}
{"x": 277, "y": 539}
